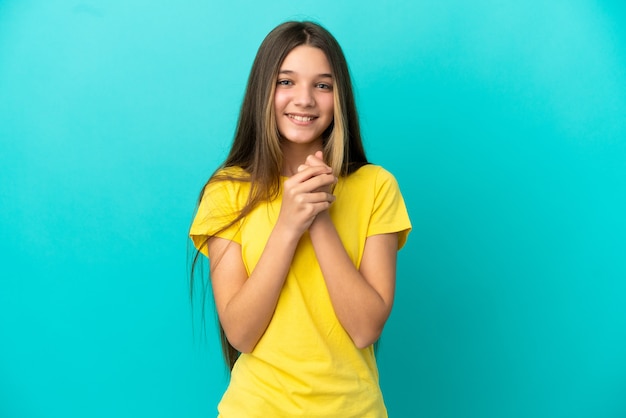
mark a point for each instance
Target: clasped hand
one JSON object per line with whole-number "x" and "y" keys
{"x": 307, "y": 193}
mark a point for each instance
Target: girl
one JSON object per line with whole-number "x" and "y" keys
{"x": 301, "y": 234}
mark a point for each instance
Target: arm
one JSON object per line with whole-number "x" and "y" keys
{"x": 362, "y": 298}
{"x": 245, "y": 305}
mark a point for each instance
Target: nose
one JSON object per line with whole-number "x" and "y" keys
{"x": 303, "y": 96}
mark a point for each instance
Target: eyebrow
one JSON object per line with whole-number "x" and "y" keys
{"x": 288, "y": 72}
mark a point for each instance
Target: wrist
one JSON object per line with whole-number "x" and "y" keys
{"x": 322, "y": 219}
{"x": 284, "y": 233}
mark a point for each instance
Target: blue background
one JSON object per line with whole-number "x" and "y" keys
{"x": 503, "y": 121}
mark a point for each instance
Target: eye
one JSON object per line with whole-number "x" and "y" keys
{"x": 284, "y": 82}
{"x": 324, "y": 86}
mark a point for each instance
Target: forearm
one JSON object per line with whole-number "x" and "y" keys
{"x": 248, "y": 313}
{"x": 246, "y": 304}
{"x": 360, "y": 308}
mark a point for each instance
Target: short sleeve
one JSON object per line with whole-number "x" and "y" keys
{"x": 389, "y": 213}
{"x": 217, "y": 210}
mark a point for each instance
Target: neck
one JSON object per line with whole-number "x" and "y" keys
{"x": 295, "y": 154}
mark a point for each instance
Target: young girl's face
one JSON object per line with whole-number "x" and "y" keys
{"x": 303, "y": 102}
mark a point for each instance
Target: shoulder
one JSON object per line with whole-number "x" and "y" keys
{"x": 234, "y": 174}
{"x": 372, "y": 174}
{"x": 388, "y": 210}
{"x": 226, "y": 192}
{"x": 370, "y": 183}
{"x": 226, "y": 180}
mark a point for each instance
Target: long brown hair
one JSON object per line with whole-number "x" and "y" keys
{"x": 256, "y": 146}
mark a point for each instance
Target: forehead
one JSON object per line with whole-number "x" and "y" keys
{"x": 306, "y": 59}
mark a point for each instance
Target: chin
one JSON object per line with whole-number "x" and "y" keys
{"x": 298, "y": 139}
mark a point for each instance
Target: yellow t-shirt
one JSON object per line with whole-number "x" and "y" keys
{"x": 305, "y": 364}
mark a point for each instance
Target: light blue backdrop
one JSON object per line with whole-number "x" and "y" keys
{"x": 504, "y": 122}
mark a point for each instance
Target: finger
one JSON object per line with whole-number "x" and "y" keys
{"x": 307, "y": 173}
{"x": 321, "y": 207}
{"x": 319, "y": 182}
{"x": 317, "y": 197}
{"x": 304, "y": 203}
{"x": 327, "y": 197}
{"x": 316, "y": 160}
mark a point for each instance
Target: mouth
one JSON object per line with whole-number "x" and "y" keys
{"x": 301, "y": 118}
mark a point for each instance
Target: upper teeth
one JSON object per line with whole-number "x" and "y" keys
{"x": 301, "y": 118}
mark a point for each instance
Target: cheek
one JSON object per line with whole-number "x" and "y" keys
{"x": 280, "y": 100}
{"x": 328, "y": 104}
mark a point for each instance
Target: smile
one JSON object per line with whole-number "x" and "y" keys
{"x": 301, "y": 118}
